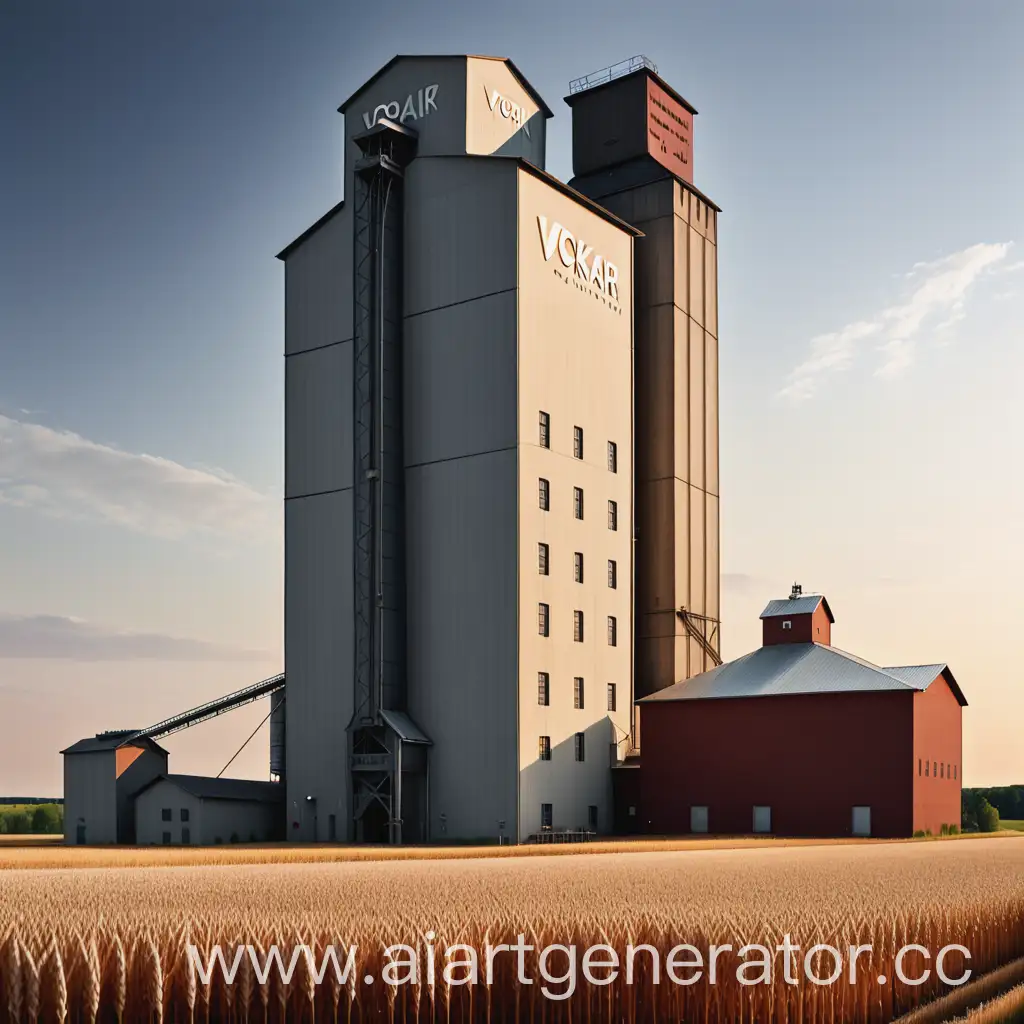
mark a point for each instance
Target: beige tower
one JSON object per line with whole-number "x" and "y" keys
{"x": 633, "y": 153}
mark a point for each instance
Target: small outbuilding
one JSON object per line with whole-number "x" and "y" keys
{"x": 799, "y": 738}
{"x": 102, "y": 774}
{"x": 197, "y": 810}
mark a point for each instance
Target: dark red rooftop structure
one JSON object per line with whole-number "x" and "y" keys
{"x": 798, "y": 738}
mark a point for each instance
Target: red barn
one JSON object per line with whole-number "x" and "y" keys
{"x": 799, "y": 738}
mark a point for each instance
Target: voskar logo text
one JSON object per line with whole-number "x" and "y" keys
{"x": 599, "y": 273}
{"x": 513, "y": 112}
{"x": 417, "y": 104}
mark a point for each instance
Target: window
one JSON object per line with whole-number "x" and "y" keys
{"x": 546, "y": 816}
{"x": 545, "y": 430}
{"x": 592, "y": 817}
{"x": 927, "y": 765}
{"x": 942, "y": 770}
{"x": 954, "y": 773}
{"x": 613, "y": 515}
{"x": 543, "y": 620}
{"x": 787, "y": 624}
{"x": 577, "y": 442}
{"x": 542, "y": 559}
{"x": 613, "y": 631}
{"x": 577, "y": 566}
{"x": 186, "y": 836}
{"x": 577, "y": 626}
{"x": 577, "y": 502}
{"x": 935, "y": 769}
{"x": 919, "y": 768}
{"x": 613, "y": 574}
{"x": 579, "y": 747}
{"x": 167, "y": 839}
{"x": 613, "y": 457}
{"x": 543, "y": 689}
{"x": 184, "y": 814}
{"x": 545, "y": 494}
{"x": 611, "y": 696}
{"x": 577, "y": 693}
{"x": 165, "y": 814}
{"x": 544, "y": 748}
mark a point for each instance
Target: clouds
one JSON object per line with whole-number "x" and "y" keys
{"x": 52, "y": 636}
{"x": 937, "y": 293}
{"x": 66, "y": 476}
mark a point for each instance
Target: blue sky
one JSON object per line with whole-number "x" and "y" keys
{"x": 867, "y": 158}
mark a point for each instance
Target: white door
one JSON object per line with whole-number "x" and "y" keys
{"x": 862, "y": 821}
{"x": 698, "y": 819}
{"x": 762, "y": 819}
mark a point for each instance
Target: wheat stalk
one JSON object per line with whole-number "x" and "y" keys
{"x": 12, "y": 975}
{"x": 30, "y": 984}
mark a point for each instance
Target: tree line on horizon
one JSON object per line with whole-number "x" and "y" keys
{"x": 31, "y": 818}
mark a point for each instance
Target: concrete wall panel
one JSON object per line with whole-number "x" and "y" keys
{"x": 696, "y": 266}
{"x": 318, "y": 421}
{"x": 319, "y": 655}
{"x": 318, "y": 287}
{"x": 462, "y": 624}
{"x": 460, "y": 369}
{"x": 460, "y": 223}
{"x": 575, "y": 359}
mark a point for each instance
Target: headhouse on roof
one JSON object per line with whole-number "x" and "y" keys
{"x": 799, "y": 738}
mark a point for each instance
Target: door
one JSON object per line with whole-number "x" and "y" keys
{"x": 762, "y": 819}
{"x": 698, "y": 819}
{"x": 862, "y": 821}
{"x": 80, "y": 835}
{"x": 186, "y": 836}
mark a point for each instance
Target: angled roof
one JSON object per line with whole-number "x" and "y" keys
{"x": 111, "y": 741}
{"x": 922, "y": 676}
{"x": 520, "y": 77}
{"x": 803, "y": 605}
{"x": 789, "y": 669}
{"x": 295, "y": 243}
{"x": 554, "y": 182}
{"x": 404, "y": 726}
{"x": 205, "y": 788}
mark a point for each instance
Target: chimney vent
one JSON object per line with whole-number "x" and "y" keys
{"x": 796, "y": 592}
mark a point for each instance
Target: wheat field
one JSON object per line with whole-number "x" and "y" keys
{"x": 25, "y": 852}
{"x": 109, "y": 943}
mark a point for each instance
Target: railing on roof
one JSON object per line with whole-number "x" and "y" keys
{"x": 210, "y": 709}
{"x": 624, "y": 67}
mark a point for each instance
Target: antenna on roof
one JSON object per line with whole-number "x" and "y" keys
{"x": 796, "y": 592}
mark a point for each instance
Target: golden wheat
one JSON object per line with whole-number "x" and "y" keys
{"x": 111, "y": 944}
{"x": 30, "y": 855}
